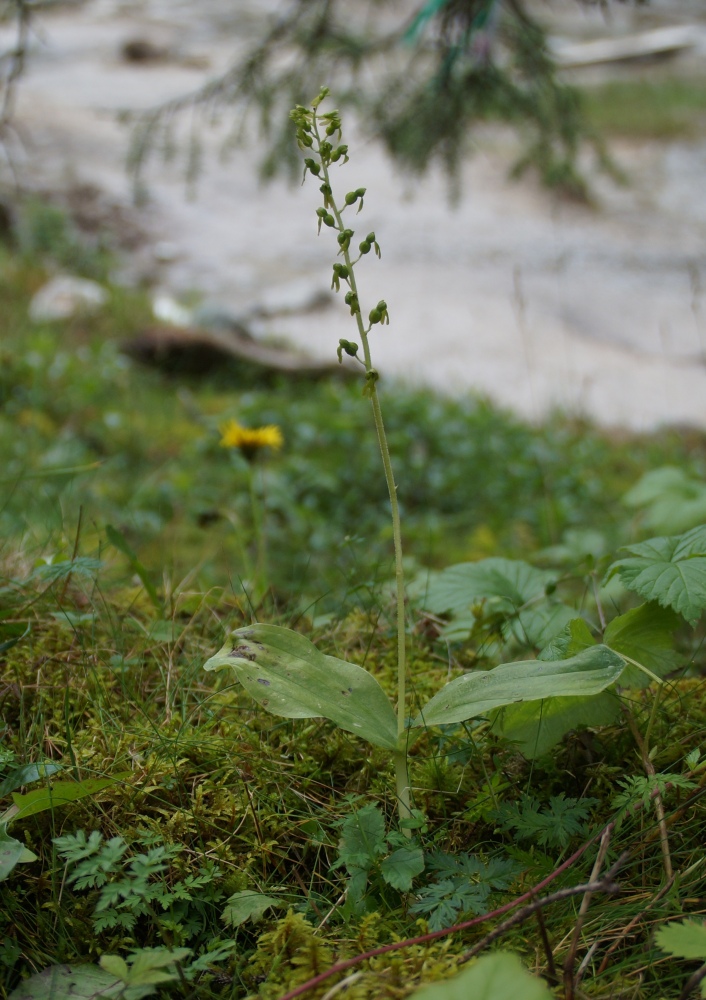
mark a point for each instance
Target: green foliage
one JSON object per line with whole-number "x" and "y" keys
{"x": 553, "y": 825}
{"x": 671, "y": 571}
{"x": 654, "y": 106}
{"x": 508, "y": 591}
{"x": 671, "y": 500}
{"x": 686, "y": 939}
{"x": 288, "y": 676}
{"x": 66, "y": 982}
{"x": 463, "y": 886}
{"x": 134, "y": 885}
{"x": 638, "y": 791}
{"x": 494, "y": 977}
{"x": 478, "y": 693}
{"x": 364, "y": 850}
{"x": 247, "y": 905}
{"x": 645, "y": 635}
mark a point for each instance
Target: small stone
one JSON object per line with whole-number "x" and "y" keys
{"x": 64, "y": 297}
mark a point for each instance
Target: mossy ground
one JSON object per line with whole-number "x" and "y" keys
{"x": 108, "y": 682}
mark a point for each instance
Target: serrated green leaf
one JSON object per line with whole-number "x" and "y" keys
{"x": 60, "y": 794}
{"x": 12, "y": 852}
{"x": 287, "y": 675}
{"x": 115, "y": 965}
{"x": 401, "y": 867}
{"x": 535, "y": 729}
{"x": 362, "y": 838}
{"x": 68, "y": 982}
{"x": 588, "y": 673}
{"x": 247, "y": 905}
{"x": 686, "y": 939}
{"x": 515, "y": 582}
{"x": 574, "y": 637}
{"x": 645, "y": 635}
{"x": 500, "y": 976}
{"x": 671, "y": 571}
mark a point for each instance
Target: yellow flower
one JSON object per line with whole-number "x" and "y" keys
{"x": 250, "y": 439}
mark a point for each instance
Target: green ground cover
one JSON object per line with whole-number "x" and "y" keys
{"x": 661, "y": 107}
{"x": 182, "y": 816}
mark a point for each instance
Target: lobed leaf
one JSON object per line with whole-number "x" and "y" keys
{"x": 289, "y": 676}
{"x": 671, "y": 571}
{"x": 455, "y": 588}
{"x": 684, "y": 940}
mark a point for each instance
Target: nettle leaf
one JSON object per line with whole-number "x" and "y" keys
{"x": 500, "y": 976}
{"x": 671, "y": 571}
{"x": 686, "y": 939}
{"x": 363, "y": 838}
{"x": 68, "y": 982}
{"x": 573, "y": 638}
{"x": 644, "y": 634}
{"x": 247, "y": 905}
{"x": 516, "y": 582}
{"x": 289, "y": 676}
{"x": 401, "y": 867}
{"x": 588, "y": 673}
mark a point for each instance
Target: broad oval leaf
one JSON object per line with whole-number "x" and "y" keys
{"x": 589, "y": 672}
{"x": 58, "y": 794}
{"x": 500, "y": 976}
{"x": 12, "y": 853}
{"x": 289, "y": 676}
{"x": 26, "y": 774}
{"x": 68, "y": 982}
{"x": 671, "y": 571}
{"x": 645, "y": 635}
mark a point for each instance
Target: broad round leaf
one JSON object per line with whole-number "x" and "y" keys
{"x": 289, "y": 676}
{"x": 501, "y": 976}
{"x": 477, "y": 693}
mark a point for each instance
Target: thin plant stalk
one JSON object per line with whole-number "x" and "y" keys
{"x": 400, "y": 755}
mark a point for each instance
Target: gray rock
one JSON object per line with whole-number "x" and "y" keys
{"x": 300, "y": 296}
{"x": 66, "y": 296}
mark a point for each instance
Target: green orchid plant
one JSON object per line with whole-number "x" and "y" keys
{"x": 282, "y": 670}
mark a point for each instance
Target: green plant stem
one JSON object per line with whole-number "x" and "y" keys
{"x": 260, "y": 556}
{"x": 401, "y": 769}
